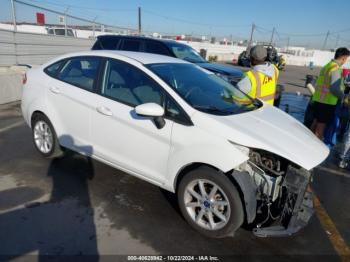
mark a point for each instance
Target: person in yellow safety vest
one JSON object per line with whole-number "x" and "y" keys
{"x": 259, "y": 82}
{"x": 329, "y": 90}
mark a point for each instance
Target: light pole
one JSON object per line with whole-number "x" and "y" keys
{"x": 273, "y": 32}
{"x": 325, "y": 41}
{"x": 251, "y": 36}
{"x": 65, "y": 21}
{"x": 93, "y": 27}
{"x": 14, "y": 15}
{"x": 337, "y": 41}
{"x": 139, "y": 20}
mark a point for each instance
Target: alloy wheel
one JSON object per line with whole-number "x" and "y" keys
{"x": 43, "y": 137}
{"x": 207, "y": 204}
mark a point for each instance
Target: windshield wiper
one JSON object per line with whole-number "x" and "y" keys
{"x": 200, "y": 61}
{"x": 213, "y": 109}
{"x": 193, "y": 60}
{"x": 256, "y": 102}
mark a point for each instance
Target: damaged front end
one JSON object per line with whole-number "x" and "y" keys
{"x": 284, "y": 204}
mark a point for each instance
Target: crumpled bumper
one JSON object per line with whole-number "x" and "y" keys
{"x": 299, "y": 206}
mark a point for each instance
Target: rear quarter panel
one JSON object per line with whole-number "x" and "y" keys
{"x": 33, "y": 96}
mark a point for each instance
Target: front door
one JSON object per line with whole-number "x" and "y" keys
{"x": 122, "y": 137}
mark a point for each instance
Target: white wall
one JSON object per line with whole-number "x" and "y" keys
{"x": 223, "y": 52}
{"x": 55, "y": 45}
{"x": 227, "y": 53}
{"x": 35, "y": 49}
{"x": 11, "y": 84}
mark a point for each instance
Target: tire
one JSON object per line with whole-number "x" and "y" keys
{"x": 42, "y": 130}
{"x": 230, "y": 205}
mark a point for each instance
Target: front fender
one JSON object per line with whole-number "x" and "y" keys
{"x": 197, "y": 146}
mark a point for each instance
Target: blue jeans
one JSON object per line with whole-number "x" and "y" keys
{"x": 345, "y": 148}
{"x": 344, "y": 134}
{"x": 330, "y": 133}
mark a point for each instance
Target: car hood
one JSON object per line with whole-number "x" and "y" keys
{"x": 270, "y": 129}
{"x": 222, "y": 69}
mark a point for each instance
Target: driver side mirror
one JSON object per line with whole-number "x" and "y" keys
{"x": 152, "y": 110}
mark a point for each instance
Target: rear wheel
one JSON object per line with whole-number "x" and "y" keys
{"x": 210, "y": 202}
{"x": 44, "y": 137}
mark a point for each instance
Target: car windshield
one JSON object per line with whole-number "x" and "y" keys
{"x": 204, "y": 90}
{"x": 185, "y": 52}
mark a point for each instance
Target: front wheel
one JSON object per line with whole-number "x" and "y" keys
{"x": 210, "y": 202}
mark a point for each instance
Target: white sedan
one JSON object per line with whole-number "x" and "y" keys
{"x": 178, "y": 126}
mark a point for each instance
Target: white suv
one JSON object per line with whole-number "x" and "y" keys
{"x": 180, "y": 127}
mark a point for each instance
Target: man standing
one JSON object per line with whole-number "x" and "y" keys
{"x": 329, "y": 89}
{"x": 344, "y": 132}
{"x": 259, "y": 82}
{"x": 344, "y": 152}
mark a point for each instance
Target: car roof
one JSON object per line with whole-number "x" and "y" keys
{"x": 143, "y": 58}
{"x": 166, "y": 41}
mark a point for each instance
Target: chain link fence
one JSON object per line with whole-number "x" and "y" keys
{"x": 63, "y": 29}
{"x": 60, "y": 20}
{"x": 22, "y": 16}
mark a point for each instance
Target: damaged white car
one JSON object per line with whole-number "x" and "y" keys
{"x": 177, "y": 126}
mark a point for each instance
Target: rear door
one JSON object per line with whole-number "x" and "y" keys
{"x": 70, "y": 97}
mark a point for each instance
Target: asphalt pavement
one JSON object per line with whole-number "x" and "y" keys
{"x": 77, "y": 206}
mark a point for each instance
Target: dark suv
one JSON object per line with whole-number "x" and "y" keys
{"x": 168, "y": 48}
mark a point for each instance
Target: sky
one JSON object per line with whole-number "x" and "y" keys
{"x": 304, "y": 22}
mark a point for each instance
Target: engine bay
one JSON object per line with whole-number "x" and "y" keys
{"x": 281, "y": 194}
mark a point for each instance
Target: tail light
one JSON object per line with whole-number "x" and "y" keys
{"x": 24, "y": 79}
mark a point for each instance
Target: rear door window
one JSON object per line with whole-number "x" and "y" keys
{"x": 70, "y": 32}
{"x": 59, "y": 31}
{"x": 109, "y": 43}
{"x": 97, "y": 45}
{"x": 131, "y": 45}
{"x": 52, "y": 70}
{"x": 81, "y": 72}
{"x": 156, "y": 48}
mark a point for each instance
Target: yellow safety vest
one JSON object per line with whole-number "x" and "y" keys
{"x": 323, "y": 93}
{"x": 263, "y": 87}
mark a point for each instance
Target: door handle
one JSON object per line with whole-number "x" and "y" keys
{"x": 104, "y": 111}
{"x": 55, "y": 90}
